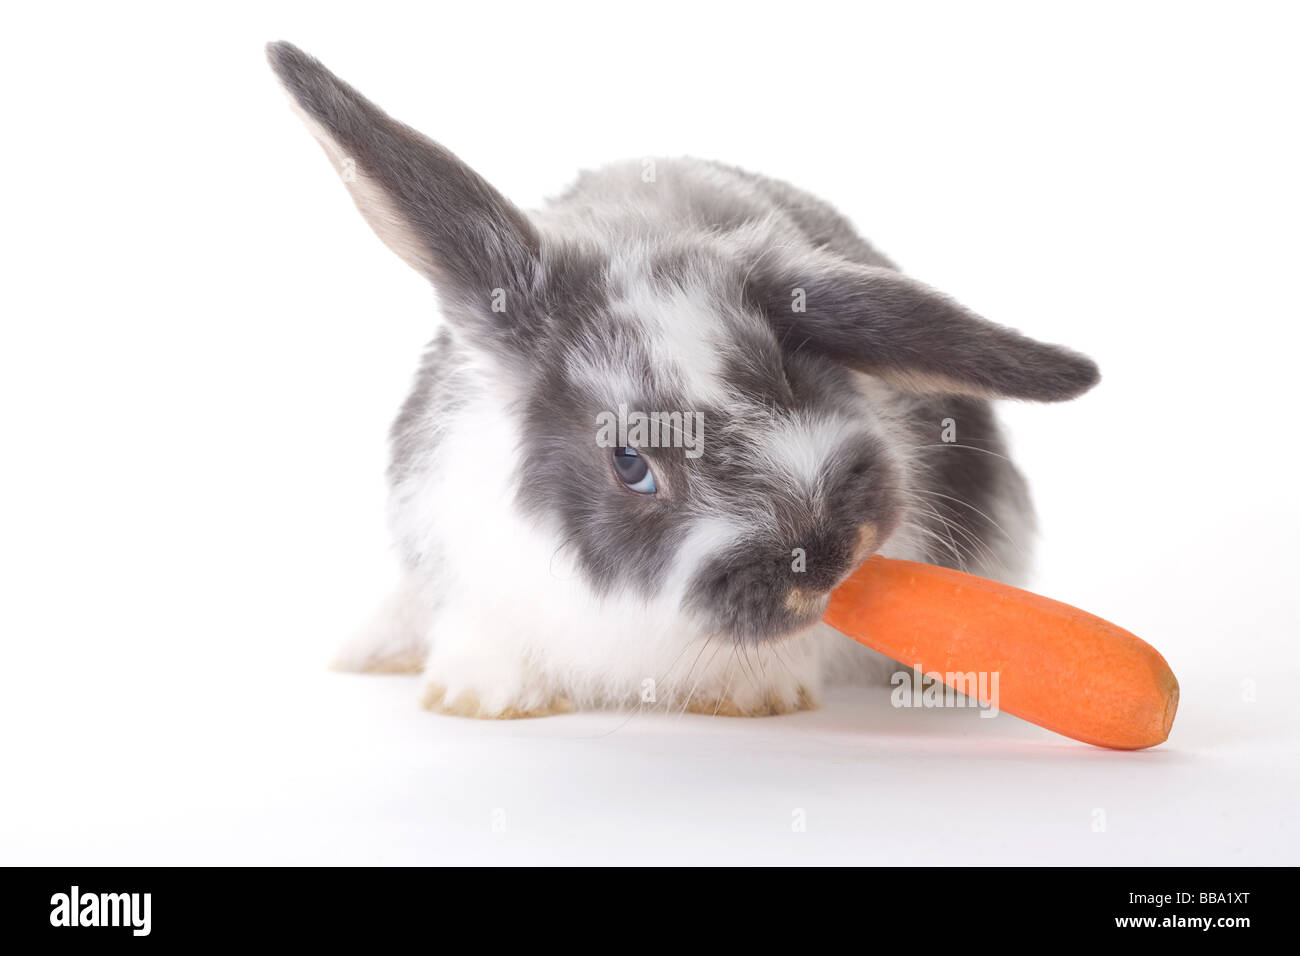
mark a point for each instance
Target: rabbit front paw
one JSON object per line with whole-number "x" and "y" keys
{"x": 476, "y": 679}
{"x": 392, "y": 641}
{"x": 468, "y": 703}
{"x": 772, "y": 704}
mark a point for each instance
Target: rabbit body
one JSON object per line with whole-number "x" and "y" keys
{"x": 842, "y": 409}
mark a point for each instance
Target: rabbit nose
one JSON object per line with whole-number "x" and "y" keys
{"x": 837, "y": 563}
{"x": 809, "y": 596}
{"x": 864, "y": 546}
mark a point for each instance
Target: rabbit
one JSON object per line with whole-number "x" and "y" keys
{"x": 803, "y": 383}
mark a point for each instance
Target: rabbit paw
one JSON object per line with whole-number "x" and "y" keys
{"x": 392, "y": 641}
{"x": 771, "y": 704}
{"x": 486, "y": 681}
{"x": 468, "y": 703}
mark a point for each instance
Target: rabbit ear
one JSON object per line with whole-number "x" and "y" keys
{"x": 882, "y": 322}
{"x": 429, "y": 207}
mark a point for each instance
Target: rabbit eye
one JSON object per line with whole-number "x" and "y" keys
{"x": 633, "y": 471}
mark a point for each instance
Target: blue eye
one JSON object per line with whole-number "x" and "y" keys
{"x": 633, "y": 471}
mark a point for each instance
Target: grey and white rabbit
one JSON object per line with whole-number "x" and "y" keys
{"x": 547, "y": 567}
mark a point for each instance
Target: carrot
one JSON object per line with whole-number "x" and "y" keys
{"x": 1057, "y": 666}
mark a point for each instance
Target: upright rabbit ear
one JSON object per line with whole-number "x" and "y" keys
{"x": 882, "y": 322}
{"x": 429, "y": 207}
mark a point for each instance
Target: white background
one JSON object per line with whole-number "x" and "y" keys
{"x": 203, "y": 345}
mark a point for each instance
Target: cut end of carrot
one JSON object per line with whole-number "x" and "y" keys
{"x": 1171, "y": 708}
{"x": 1137, "y": 733}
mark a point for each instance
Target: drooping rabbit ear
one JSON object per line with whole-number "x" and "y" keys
{"x": 429, "y": 207}
{"x": 882, "y": 322}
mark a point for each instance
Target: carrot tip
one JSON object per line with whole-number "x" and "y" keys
{"x": 1171, "y": 708}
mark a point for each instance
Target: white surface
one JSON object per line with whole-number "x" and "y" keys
{"x": 203, "y": 346}
{"x": 346, "y": 769}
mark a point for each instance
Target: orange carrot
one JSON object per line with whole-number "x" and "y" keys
{"x": 1057, "y": 666}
